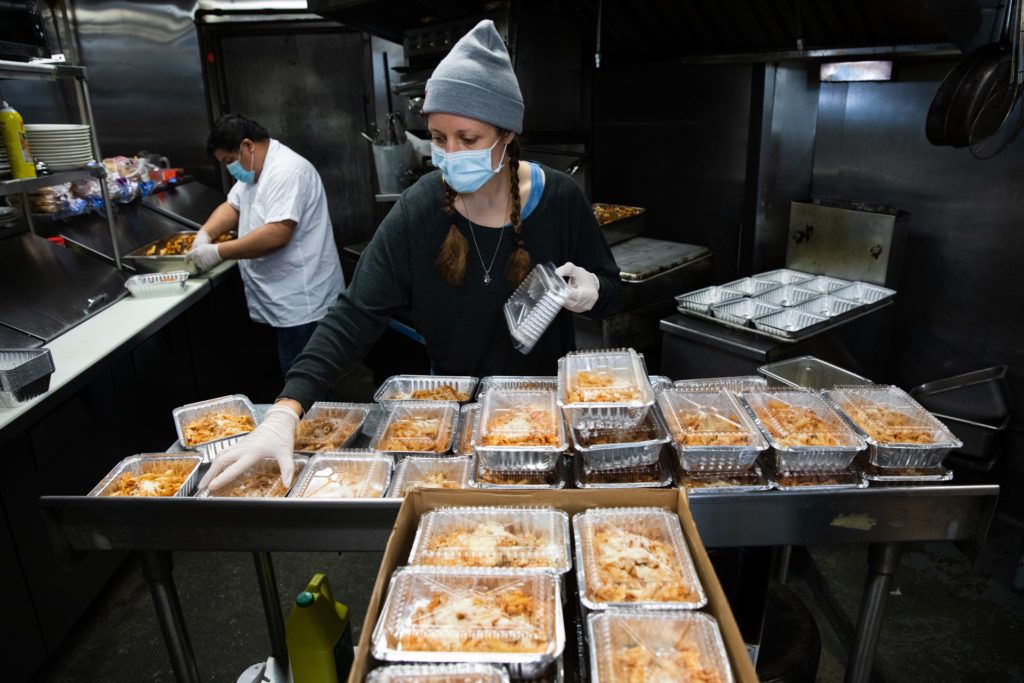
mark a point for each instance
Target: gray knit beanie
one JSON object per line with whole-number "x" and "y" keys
{"x": 476, "y": 80}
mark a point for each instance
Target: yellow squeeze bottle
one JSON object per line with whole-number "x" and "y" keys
{"x": 318, "y": 635}
{"x": 12, "y": 130}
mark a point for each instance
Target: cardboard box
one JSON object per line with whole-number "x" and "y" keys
{"x": 572, "y": 501}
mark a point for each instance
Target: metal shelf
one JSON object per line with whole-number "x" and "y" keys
{"x": 19, "y": 185}
{"x": 40, "y": 72}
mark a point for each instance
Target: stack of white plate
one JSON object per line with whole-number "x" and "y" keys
{"x": 63, "y": 146}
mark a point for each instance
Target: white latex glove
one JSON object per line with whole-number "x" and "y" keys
{"x": 273, "y": 438}
{"x": 583, "y": 286}
{"x": 202, "y": 237}
{"x": 205, "y": 256}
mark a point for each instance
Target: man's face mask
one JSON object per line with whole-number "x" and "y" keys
{"x": 239, "y": 172}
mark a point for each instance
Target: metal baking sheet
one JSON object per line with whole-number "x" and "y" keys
{"x": 643, "y": 258}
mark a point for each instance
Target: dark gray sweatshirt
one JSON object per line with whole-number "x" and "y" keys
{"x": 464, "y": 327}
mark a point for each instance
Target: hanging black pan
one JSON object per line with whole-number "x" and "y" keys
{"x": 935, "y": 124}
{"x": 990, "y": 67}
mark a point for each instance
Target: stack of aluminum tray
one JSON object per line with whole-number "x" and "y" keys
{"x": 807, "y": 436}
{"x": 906, "y": 443}
{"x": 711, "y": 432}
{"x": 785, "y": 305}
{"x": 658, "y": 475}
{"x": 604, "y": 389}
{"x": 236, "y": 404}
{"x": 432, "y": 673}
{"x": 24, "y": 375}
{"x": 668, "y": 638}
{"x": 400, "y": 389}
{"x": 417, "y": 428}
{"x": 493, "y": 538}
{"x": 534, "y": 306}
{"x": 531, "y": 643}
{"x": 355, "y": 473}
{"x": 482, "y": 478}
{"x": 519, "y": 431}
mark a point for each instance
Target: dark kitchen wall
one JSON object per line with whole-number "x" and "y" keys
{"x": 674, "y": 140}
{"x": 961, "y": 300}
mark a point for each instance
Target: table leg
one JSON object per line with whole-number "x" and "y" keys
{"x": 158, "y": 570}
{"x": 883, "y": 558}
{"x": 271, "y": 605}
{"x": 780, "y": 564}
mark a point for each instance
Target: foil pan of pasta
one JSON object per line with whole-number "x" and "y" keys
{"x": 152, "y": 475}
{"x": 201, "y": 425}
{"x": 399, "y": 388}
{"x": 519, "y": 431}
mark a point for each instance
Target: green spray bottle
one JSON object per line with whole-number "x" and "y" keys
{"x": 319, "y": 636}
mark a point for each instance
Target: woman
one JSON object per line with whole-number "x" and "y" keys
{"x": 452, "y": 250}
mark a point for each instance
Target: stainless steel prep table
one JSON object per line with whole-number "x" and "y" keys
{"x": 880, "y": 517}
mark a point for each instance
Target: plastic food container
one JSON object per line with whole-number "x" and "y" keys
{"x": 599, "y": 389}
{"x": 236, "y": 405}
{"x": 711, "y": 432}
{"x": 524, "y": 382}
{"x": 330, "y": 426}
{"x": 434, "y": 388}
{"x": 704, "y": 483}
{"x": 352, "y": 474}
{"x": 785, "y": 276}
{"x": 702, "y": 300}
{"x": 809, "y": 372}
{"x": 494, "y": 537}
{"x": 788, "y": 322}
{"x": 850, "y": 478}
{"x": 157, "y": 284}
{"x": 482, "y": 478}
{"x": 534, "y": 305}
{"x": 743, "y": 311}
{"x": 618, "y": 448}
{"x": 823, "y": 284}
{"x": 806, "y": 434}
{"x": 863, "y": 293}
{"x": 750, "y": 286}
{"x": 422, "y": 427}
{"x": 262, "y": 480}
{"x": 828, "y": 306}
{"x": 632, "y": 645}
{"x": 898, "y": 430}
{"x": 734, "y": 385}
{"x": 430, "y": 473}
{"x": 24, "y": 375}
{"x": 182, "y": 468}
{"x": 647, "y": 560}
{"x": 438, "y": 673}
{"x": 466, "y": 429}
{"x": 519, "y": 431}
{"x": 649, "y": 476}
{"x": 659, "y": 382}
{"x": 445, "y": 615}
{"x": 786, "y": 295}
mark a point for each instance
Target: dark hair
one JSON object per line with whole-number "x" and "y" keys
{"x": 451, "y": 260}
{"x": 231, "y": 129}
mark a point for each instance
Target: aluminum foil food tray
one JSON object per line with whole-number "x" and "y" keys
{"x": 146, "y": 462}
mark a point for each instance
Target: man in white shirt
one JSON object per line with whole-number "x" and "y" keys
{"x": 285, "y": 246}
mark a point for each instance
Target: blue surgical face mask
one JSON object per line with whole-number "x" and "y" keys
{"x": 466, "y": 171}
{"x": 240, "y": 173}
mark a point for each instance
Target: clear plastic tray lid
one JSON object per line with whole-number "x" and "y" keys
{"x": 522, "y": 420}
{"x": 417, "y": 427}
{"x": 438, "y": 673}
{"x": 736, "y": 385}
{"x": 432, "y": 388}
{"x": 349, "y": 474}
{"x": 634, "y": 557}
{"x": 466, "y": 429}
{"x": 600, "y": 378}
{"x": 430, "y": 473}
{"x": 634, "y": 645}
{"x": 534, "y": 305}
{"x": 888, "y": 416}
{"x": 471, "y": 615}
{"x": 496, "y": 537}
{"x": 699, "y": 419}
{"x": 796, "y": 419}
{"x": 525, "y": 382}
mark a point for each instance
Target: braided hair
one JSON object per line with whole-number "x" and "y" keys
{"x": 451, "y": 259}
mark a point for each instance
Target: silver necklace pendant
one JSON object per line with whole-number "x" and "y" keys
{"x": 487, "y": 278}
